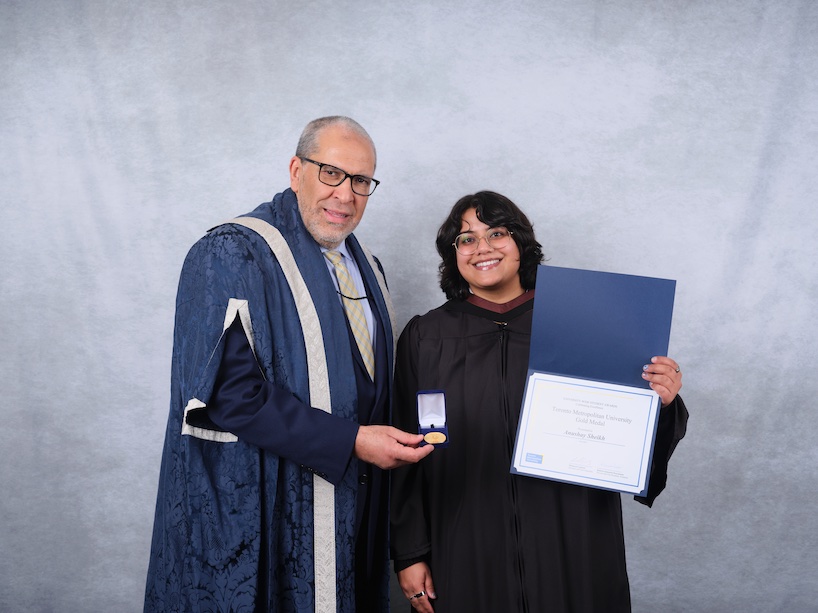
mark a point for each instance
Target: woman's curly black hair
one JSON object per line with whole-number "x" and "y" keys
{"x": 494, "y": 210}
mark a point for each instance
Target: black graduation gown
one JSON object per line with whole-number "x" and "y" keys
{"x": 497, "y": 541}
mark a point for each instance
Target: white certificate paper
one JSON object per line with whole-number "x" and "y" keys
{"x": 586, "y": 432}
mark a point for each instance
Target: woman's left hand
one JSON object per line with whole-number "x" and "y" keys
{"x": 665, "y": 378}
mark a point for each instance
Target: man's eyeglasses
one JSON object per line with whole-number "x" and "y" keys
{"x": 331, "y": 175}
{"x": 468, "y": 242}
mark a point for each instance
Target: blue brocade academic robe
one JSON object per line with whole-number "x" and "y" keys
{"x": 234, "y": 523}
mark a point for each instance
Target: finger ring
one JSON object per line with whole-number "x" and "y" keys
{"x": 678, "y": 369}
{"x": 418, "y": 595}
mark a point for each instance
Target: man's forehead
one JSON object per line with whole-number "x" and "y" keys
{"x": 344, "y": 144}
{"x": 342, "y": 134}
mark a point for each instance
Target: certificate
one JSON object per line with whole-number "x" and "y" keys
{"x": 586, "y": 432}
{"x": 588, "y": 416}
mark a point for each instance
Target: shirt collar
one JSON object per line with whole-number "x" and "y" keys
{"x": 342, "y": 249}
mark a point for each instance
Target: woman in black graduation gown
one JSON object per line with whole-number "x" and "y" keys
{"x": 467, "y": 535}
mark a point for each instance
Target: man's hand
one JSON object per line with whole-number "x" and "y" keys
{"x": 387, "y": 447}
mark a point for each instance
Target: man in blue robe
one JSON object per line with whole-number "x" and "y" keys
{"x": 273, "y": 491}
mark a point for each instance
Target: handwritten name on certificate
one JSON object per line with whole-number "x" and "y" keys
{"x": 586, "y": 432}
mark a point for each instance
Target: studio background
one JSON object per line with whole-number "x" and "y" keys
{"x": 674, "y": 139}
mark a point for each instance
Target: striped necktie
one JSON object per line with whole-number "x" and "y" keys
{"x": 354, "y": 310}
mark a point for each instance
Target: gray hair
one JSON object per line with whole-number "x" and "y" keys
{"x": 308, "y": 143}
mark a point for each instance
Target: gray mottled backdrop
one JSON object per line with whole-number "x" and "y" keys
{"x": 675, "y": 138}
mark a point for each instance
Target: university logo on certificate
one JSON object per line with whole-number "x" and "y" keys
{"x": 588, "y": 416}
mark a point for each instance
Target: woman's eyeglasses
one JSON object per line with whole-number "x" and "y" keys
{"x": 468, "y": 242}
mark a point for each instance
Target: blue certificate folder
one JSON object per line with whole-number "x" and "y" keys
{"x": 599, "y": 325}
{"x": 591, "y": 334}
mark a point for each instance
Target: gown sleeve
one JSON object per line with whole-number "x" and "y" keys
{"x": 671, "y": 429}
{"x": 269, "y": 417}
{"x": 409, "y": 527}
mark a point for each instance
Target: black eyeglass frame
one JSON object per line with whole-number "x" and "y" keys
{"x": 479, "y": 238}
{"x": 346, "y": 175}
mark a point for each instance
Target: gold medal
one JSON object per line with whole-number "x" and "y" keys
{"x": 435, "y": 438}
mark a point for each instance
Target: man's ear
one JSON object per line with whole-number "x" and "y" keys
{"x": 296, "y": 168}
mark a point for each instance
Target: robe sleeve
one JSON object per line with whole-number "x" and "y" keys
{"x": 267, "y": 416}
{"x": 221, "y": 266}
{"x": 409, "y": 512}
{"x": 671, "y": 429}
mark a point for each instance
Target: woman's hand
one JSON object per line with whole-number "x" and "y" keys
{"x": 417, "y": 586}
{"x": 665, "y": 378}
